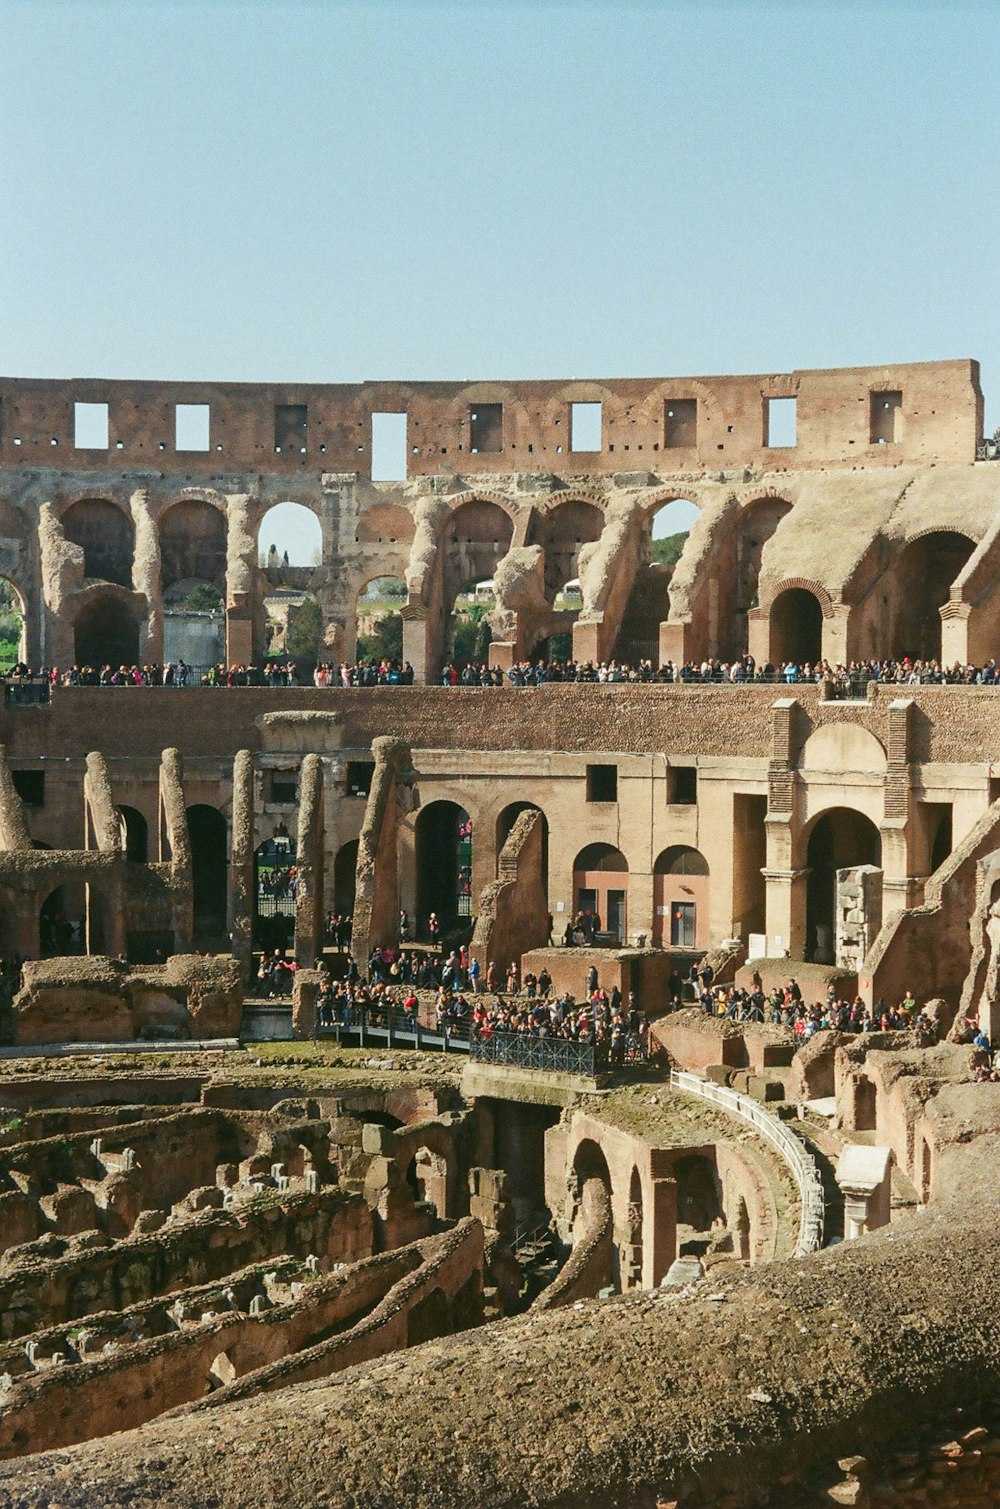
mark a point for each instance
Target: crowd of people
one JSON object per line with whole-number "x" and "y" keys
{"x": 842, "y": 680}
{"x": 784, "y": 1005}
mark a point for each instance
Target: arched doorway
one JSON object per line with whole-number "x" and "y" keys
{"x": 922, "y": 582}
{"x": 345, "y": 878}
{"x": 209, "y": 872}
{"x": 591, "y": 1210}
{"x": 757, "y": 523}
{"x": 840, "y": 839}
{"x": 699, "y": 1201}
{"x": 106, "y": 536}
{"x": 275, "y": 885}
{"x": 649, "y": 600}
{"x": 444, "y": 866}
{"x": 505, "y": 822}
{"x": 680, "y": 899}
{"x": 135, "y": 835}
{"x": 796, "y": 628}
{"x": 13, "y": 626}
{"x": 62, "y": 922}
{"x": 105, "y": 633}
{"x": 474, "y": 541}
{"x": 600, "y": 891}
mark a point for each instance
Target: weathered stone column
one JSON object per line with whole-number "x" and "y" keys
{"x": 241, "y": 876}
{"x": 376, "y": 895}
{"x": 416, "y": 640}
{"x": 241, "y": 574}
{"x": 309, "y": 920}
{"x": 659, "y": 1224}
{"x": 147, "y": 576}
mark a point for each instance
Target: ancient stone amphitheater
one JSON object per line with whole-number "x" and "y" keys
{"x": 255, "y": 1253}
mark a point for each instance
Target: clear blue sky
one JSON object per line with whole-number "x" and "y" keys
{"x": 336, "y": 191}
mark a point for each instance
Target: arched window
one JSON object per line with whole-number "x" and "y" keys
{"x": 796, "y": 628}
{"x": 649, "y": 601}
{"x": 105, "y": 534}
{"x": 290, "y": 536}
{"x": 600, "y": 894}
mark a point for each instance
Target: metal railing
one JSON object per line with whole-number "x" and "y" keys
{"x": 520, "y": 1050}
{"x": 812, "y": 1200}
{"x": 30, "y": 691}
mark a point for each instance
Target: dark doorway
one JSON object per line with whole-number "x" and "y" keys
{"x": 796, "y": 628}
{"x": 840, "y": 839}
{"x": 210, "y": 872}
{"x": 444, "y": 865}
{"x": 105, "y": 633}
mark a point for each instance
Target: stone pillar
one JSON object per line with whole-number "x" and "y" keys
{"x": 955, "y": 633}
{"x": 659, "y": 1223}
{"x": 241, "y": 576}
{"x": 835, "y": 635}
{"x": 588, "y": 638}
{"x": 416, "y": 640}
{"x": 641, "y": 911}
{"x": 241, "y": 876}
{"x": 674, "y": 638}
{"x": 147, "y": 576}
{"x": 502, "y": 653}
{"x": 759, "y": 635}
{"x": 309, "y": 917}
{"x": 786, "y": 910}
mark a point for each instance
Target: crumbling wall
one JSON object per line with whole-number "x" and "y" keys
{"x": 513, "y": 910}
{"x": 100, "y": 999}
{"x": 391, "y": 796}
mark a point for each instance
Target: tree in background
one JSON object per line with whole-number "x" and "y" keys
{"x": 11, "y": 624}
{"x": 305, "y": 632}
{"x": 472, "y": 633}
{"x": 667, "y": 552}
{"x": 203, "y": 599}
{"x": 385, "y": 642}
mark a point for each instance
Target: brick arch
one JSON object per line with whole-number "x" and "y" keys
{"x": 803, "y": 583}
{"x": 651, "y": 503}
{"x": 572, "y": 495}
{"x": 207, "y": 495}
{"x": 481, "y": 495}
{"x": 103, "y": 494}
{"x": 905, "y": 541}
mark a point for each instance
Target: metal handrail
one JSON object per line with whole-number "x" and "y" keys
{"x": 803, "y": 1166}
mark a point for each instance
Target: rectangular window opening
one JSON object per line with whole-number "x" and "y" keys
{"x": 389, "y": 447}
{"x": 359, "y": 777}
{"x": 680, "y": 423}
{"x": 90, "y": 426}
{"x": 683, "y": 785}
{"x": 30, "y": 786}
{"x": 886, "y": 418}
{"x": 602, "y": 783}
{"x": 585, "y": 426}
{"x": 780, "y": 419}
{"x": 291, "y": 422}
{"x": 486, "y": 427}
{"x": 191, "y": 427}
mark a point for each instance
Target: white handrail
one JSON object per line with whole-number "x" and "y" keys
{"x": 802, "y": 1164}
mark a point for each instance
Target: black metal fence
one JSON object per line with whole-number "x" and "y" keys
{"x": 523, "y": 1051}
